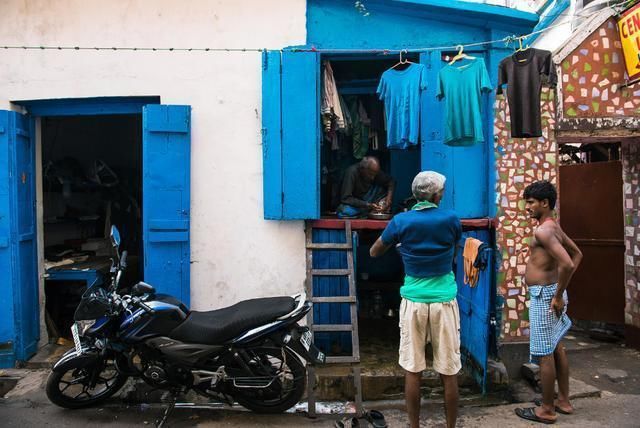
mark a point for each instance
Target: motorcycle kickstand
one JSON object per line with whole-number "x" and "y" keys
{"x": 167, "y": 412}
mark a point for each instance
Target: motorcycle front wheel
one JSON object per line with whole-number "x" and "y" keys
{"x": 80, "y": 385}
{"x": 287, "y": 388}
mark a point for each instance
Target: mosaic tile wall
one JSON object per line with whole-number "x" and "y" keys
{"x": 631, "y": 178}
{"x": 519, "y": 162}
{"x": 592, "y": 72}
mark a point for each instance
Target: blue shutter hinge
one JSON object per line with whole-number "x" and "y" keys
{"x": 282, "y": 197}
{"x": 265, "y": 60}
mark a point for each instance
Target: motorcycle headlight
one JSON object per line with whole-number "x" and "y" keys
{"x": 84, "y": 325}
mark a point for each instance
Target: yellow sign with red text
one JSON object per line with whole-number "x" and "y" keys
{"x": 629, "y": 27}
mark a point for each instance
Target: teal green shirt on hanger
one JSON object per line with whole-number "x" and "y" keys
{"x": 461, "y": 85}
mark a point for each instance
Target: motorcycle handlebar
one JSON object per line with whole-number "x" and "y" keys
{"x": 144, "y": 306}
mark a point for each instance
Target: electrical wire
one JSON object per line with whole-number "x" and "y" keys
{"x": 505, "y": 40}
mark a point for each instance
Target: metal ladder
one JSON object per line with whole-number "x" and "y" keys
{"x": 352, "y": 360}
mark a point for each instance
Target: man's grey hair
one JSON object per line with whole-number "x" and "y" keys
{"x": 427, "y": 184}
{"x": 368, "y": 162}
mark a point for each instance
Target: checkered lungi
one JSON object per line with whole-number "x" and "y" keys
{"x": 546, "y": 327}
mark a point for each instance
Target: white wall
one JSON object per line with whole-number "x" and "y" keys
{"x": 235, "y": 253}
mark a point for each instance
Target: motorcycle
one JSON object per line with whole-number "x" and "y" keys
{"x": 253, "y": 353}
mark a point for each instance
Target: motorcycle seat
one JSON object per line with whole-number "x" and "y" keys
{"x": 218, "y": 326}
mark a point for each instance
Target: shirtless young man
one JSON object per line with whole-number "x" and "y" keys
{"x": 553, "y": 259}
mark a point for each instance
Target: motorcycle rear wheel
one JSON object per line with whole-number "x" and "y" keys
{"x": 73, "y": 388}
{"x": 287, "y": 389}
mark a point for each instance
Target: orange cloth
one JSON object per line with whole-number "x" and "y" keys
{"x": 470, "y": 253}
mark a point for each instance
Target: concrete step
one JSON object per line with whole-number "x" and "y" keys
{"x": 335, "y": 382}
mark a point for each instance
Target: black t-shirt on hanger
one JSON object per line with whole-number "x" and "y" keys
{"x": 523, "y": 74}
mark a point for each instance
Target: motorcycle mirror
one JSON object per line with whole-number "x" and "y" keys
{"x": 115, "y": 236}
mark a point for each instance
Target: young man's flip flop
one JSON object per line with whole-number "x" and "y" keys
{"x": 529, "y": 413}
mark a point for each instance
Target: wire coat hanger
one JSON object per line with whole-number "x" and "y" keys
{"x": 460, "y": 55}
{"x": 520, "y": 48}
{"x": 403, "y": 61}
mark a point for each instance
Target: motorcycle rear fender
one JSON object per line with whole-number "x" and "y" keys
{"x": 291, "y": 340}
{"x": 72, "y": 359}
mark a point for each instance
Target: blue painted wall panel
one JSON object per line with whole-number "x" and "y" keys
{"x": 435, "y": 155}
{"x": 338, "y": 24}
{"x": 166, "y": 161}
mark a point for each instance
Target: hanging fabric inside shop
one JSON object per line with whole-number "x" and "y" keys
{"x": 331, "y": 108}
{"x": 460, "y": 84}
{"x": 359, "y": 126}
{"x": 400, "y": 90}
{"x": 524, "y": 72}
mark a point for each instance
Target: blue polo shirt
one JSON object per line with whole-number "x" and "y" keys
{"x": 427, "y": 237}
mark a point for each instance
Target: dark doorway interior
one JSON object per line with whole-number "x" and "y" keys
{"x": 91, "y": 180}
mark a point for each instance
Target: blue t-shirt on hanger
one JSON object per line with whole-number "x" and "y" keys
{"x": 400, "y": 91}
{"x": 461, "y": 85}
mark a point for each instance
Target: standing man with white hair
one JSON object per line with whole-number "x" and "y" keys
{"x": 426, "y": 238}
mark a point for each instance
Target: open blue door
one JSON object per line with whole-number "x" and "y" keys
{"x": 291, "y": 135}
{"x": 475, "y": 312}
{"x": 166, "y": 160}
{"x": 19, "y": 326}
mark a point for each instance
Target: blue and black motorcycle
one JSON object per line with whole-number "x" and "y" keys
{"x": 253, "y": 352}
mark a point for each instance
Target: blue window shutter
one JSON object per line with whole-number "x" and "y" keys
{"x": 291, "y": 135}
{"x": 272, "y": 135}
{"x": 166, "y": 165}
{"x": 301, "y": 135}
{"x": 19, "y": 320}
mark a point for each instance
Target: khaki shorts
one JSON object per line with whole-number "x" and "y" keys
{"x": 438, "y": 323}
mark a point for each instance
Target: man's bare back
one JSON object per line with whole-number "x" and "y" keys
{"x": 542, "y": 268}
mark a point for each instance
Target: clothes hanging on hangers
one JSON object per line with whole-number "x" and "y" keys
{"x": 400, "y": 90}
{"x": 461, "y": 85}
{"x": 330, "y": 108}
{"x": 360, "y": 126}
{"x": 524, "y": 72}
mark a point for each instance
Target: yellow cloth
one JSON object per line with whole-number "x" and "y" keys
{"x": 471, "y": 273}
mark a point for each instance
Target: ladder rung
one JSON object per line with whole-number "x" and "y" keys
{"x": 330, "y": 272}
{"x": 328, "y": 246}
{"x": 332, "y": 327}
{"x": 334, "y": 299}
{"x": 343, "y": 359}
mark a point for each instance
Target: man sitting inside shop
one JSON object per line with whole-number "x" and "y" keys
{"x": 365, "y": 188}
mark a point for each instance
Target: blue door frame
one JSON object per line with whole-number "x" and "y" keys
{"x": 19, "y": 319}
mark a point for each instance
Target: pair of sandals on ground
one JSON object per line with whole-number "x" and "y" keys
{"x": 529, "y": 413}
{"x": 371, "y": 418}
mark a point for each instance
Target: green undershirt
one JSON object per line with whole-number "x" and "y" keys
{"x": 436, "y": 289}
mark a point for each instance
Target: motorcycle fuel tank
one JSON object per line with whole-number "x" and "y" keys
{"x": 168, "y": 313}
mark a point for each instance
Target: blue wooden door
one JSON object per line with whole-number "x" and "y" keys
{"x": 464, "y": 167}
{"x": 475, "y": 312}
{"x": 291, "y": 135}
{"x": 19, "y": 319}
{"x": 166, "y": 160}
